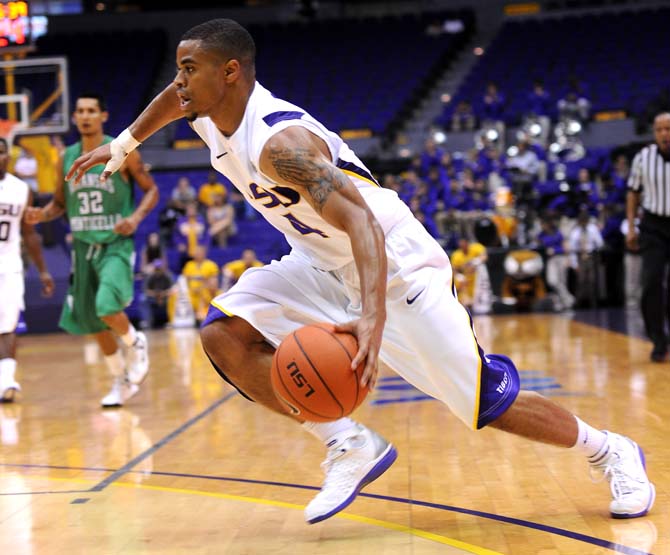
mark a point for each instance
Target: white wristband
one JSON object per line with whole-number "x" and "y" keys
{"x": 119, "y": 148}
{"x": 127, "y": 142}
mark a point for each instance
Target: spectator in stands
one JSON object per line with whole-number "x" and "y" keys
{"x": 463, "y": 118}
{"x": 539, "y": 108}
{"x": 493, "y": 108}
{"x": 152, "y": 250}
{"x": 493, "y": 111}
{"x": 574, "y": 104}
{"x": 431, "y": 156}
{"x": 572, "y": 107}
{"x": 551, "y": 240}
{"x": 191, "y": 232}
{"x": 209, "y": 190}
{"x": 437, "y": 181}
{"x": 232, "y": 271}
{"x": 168, "y": 218}
{"x": 221, "y": 220}
{"x": 183, "y": 194}
{"x": 465, "y": 262}
{"x": 587, "y": 195}
{"x": 523, "y": 167}
{"x": 157, "y": 288}
{"x": 584, "y": 243}
{"x": 202, "y": 277}
{"x": 621, "y": 173}
{"x": 539, "y": 100}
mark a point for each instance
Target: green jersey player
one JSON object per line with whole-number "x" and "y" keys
{"x": 103, "y": 219}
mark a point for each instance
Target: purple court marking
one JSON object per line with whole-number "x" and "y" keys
{"x": 619, "y": 548}
{"x": 80, "y": 500}
{"x": 164, "y": 441}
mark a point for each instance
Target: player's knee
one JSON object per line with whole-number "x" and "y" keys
{"x": 226, "y": 342}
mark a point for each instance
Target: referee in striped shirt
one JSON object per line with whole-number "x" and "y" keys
{"x": 649, "y": 182}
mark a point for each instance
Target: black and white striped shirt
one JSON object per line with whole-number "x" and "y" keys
{"x": 650, "y": 175}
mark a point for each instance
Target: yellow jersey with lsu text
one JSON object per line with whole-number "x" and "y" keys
{"x": 237, "y": 157}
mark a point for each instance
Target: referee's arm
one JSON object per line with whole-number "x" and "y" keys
{"x": 633, "y": 201}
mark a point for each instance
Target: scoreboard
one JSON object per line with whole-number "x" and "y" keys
{"x": 15, "y": 26}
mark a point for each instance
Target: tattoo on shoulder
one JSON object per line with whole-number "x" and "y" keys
{"x": 300, "y": 166}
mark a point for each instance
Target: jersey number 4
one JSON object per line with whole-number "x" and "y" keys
{"x": 291, "y": 197}
{"x": 90, "y": 202}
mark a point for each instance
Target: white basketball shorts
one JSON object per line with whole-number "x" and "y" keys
{"x": 11, "y": 300}
{"x": 428, "y": 338}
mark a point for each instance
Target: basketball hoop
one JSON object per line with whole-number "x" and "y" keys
{"x": 8, "y": 130}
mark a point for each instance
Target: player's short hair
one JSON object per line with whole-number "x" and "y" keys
{"x": 96, "y": 96}
{"x": 3, "y": 141}
{"x": 227, "y": 37}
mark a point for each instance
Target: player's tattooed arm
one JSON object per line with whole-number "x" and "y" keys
{"x": 299, "y": 159}
{"x": 308, "y": 168}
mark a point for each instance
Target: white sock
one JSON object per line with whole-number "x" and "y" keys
{"x": 589, "y": 440}
{"x": 116, "y": 364}
{"x": 130, "y": 336}
{"x": 8, "y": 369}
{"x": 325, "y": 431}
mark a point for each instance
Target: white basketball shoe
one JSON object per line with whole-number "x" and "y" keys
{"x": 8, "y": 390}
{"x": 622, "y": 463}
{"x": 121, "y": 391}
{"x": 354, "y": 460}
{"x": 138, "y": 359}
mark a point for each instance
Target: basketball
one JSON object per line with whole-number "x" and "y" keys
{"x": 312, "y": 375}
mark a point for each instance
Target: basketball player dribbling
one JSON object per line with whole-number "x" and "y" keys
{"x": 359, "y": 259}
{"x": 103, "y": 220}
{"x": 15, "y": 197}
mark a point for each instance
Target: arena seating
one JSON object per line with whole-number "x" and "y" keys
{"x": 357, "y": 73}
{"x": 594, "y": 48}
{"x": 125, "y": 78}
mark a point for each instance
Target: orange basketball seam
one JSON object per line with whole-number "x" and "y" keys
{"x": 297, "y": 340}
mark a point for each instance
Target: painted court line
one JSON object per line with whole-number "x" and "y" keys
{"x": 618, "y": 548}
{"x": 167, "y": 439}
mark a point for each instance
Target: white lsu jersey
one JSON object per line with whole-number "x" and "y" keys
{"x": 13, "y": 200}
{"x": 237, "y": 157}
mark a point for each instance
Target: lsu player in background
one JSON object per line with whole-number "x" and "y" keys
{"x": 103, "y": 219}
{"x": 359, "y": 259}
{"x": 15, "y": 197}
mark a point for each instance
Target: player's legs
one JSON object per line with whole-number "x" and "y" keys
{"x": 430, "y": 342}
{"x": 239, "y": 335}
{"x": 242, "y": 357}
{"x": 114, "y": 292}
{"x": 11, "y": 300}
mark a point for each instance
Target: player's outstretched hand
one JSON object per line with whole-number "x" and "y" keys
{"x": 47, "y": 284}
{"x": 100, "y": 155}
{"x": 33, "y": 215}
{"x": 126, "y": 226}
{"x": 368, "y": 332}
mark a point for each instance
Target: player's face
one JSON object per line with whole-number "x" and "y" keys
{"x": 88, "y": 117}
{"x": 200, "y": 80}
{"x": 662, "y": 132}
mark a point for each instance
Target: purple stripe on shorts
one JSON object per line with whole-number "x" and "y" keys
{"x": 213, "y": 314}
{"x": 500, "y": 385}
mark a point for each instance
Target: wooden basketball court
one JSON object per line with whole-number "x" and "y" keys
{"x": 189, "y": 466}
